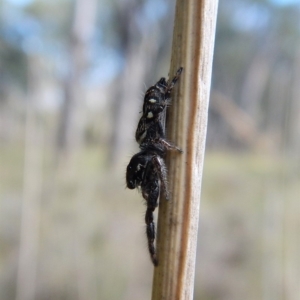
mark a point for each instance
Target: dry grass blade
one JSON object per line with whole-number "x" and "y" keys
{"x": 193, "y": 43}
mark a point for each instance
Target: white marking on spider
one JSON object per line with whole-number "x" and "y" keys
{"x": 150, "y": 115}
{"x": 152, "y": 100}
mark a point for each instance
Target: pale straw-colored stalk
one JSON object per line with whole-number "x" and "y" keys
{"x": 193, "y": 46}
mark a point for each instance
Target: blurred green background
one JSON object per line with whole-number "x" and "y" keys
{"x": 72, "y": 78}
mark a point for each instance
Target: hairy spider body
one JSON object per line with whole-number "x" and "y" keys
{"x": 151, "y": 134}
{"x": 146, "y": 165}
{"x": 146, "y": 169}
{"x": 149, "y": 130}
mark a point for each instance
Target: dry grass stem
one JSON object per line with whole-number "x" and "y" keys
{"x": 193, "y": 43}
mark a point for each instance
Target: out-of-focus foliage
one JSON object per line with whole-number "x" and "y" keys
{"x": 73, "y": 75}
{"x": 256, "y": 67}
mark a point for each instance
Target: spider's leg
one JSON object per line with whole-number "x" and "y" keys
{"x": 151, "y": 193}
{"x": 141, "y": 130}
{"x": 168, "y": 145}
{"x": 161, "y": 170}
{"x": 173, "y": 82}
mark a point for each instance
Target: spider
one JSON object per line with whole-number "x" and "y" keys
{"x": 146, "y": 169}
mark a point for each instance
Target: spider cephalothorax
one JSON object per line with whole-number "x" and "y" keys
{"x": 150, "y": 129}
{"x": 146, "y": 169}
{"x": 158, "y": 96}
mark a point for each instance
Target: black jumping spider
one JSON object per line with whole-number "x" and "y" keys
{"x": 147, "y": 168}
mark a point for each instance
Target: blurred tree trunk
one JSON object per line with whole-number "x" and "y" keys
{"x": 277, "y": 107}
{"x": 141, "y": 48}
{"x": 30, "y": 213}
{"x": 290, "y": 153}
{"x": 72, "y": 119}
{"x": 257, "y": 76}
{"x": 272, "y": 244}
{"x": 295, "y": 106}
{"x": 128, "y": 102}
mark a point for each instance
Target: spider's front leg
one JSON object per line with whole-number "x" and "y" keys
{"x": 173, "y": 82}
